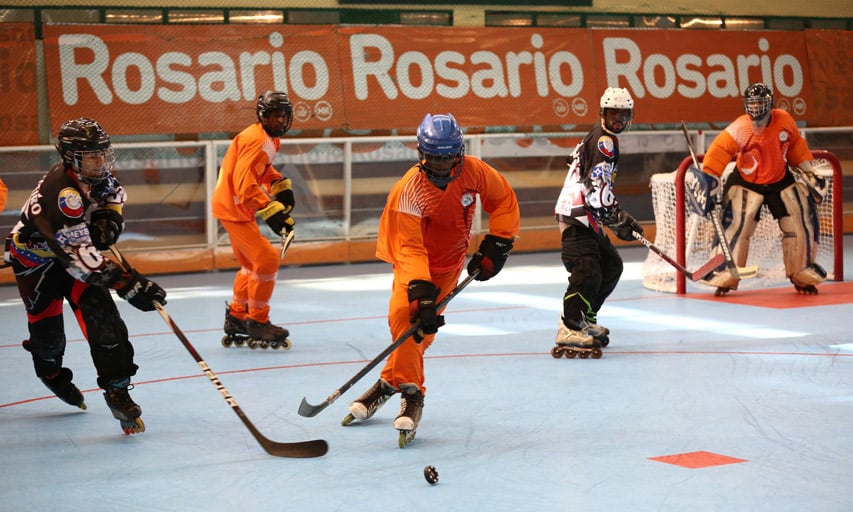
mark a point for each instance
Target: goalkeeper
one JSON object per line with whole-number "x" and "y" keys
{"x": 764, "y": 142}
{"x": 586, "y": 204}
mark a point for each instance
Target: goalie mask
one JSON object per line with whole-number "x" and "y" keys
{"x": 275, "y": 113}
{"x": 758, "y": 101}
{"x": 86, "y": 149}
{"x": 441, "y": 149}
{"x": 616, "y": 110}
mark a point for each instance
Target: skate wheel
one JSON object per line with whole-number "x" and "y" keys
{"x": 405, "y": 438}
{"x": 264, "y": 345}
{"x": 252, "y": 344}
{"x": 285, "y": 345}
{"x": 571, "y": 354}
{"x": 604, "y": 341}
{"x": 596, "y": 353}
{"x": 226, "y": 341}
{"x": 584, "y": 355}
{"x": 239, "y": 342}
{"x": 348, "y": 419}
{"x": 556, "y": 352}
{"x": 133, "y": 427}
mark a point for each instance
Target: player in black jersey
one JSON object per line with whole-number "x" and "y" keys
{"x": 74, "y": 213}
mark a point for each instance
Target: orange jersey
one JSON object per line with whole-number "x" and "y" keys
{"x": 245, "y": 171}
{"x": 762, "y": 154}
{"x": 425, "y": 230}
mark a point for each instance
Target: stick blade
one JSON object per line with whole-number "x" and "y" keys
{"x": 299, "y": 450}
{"x": 309, "y": 411}
{"x": 712, "y": 264}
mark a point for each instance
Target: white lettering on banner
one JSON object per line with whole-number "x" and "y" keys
{"x": 658, "y": 76}
{"x": 495, "y": 76}
{"x": 174, "y": 80}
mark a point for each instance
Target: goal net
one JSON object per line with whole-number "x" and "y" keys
{"x": 678, "y": 229}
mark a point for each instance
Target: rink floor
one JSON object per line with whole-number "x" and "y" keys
{"x": 742, "y": 403}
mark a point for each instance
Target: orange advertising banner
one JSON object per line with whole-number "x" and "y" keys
{"x": 18, "y": 85}
{"x": 190, "y": 79}
{"x": 700, "y": 76}
{"x": 205, "y": 78}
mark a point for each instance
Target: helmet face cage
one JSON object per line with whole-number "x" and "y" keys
{"x": 269, "y": 103}
{"x": 757, "y": 101}
{"x": 441, "y": 149}
{"x": 86, "y": 148}
{"x": 616, "y": 109}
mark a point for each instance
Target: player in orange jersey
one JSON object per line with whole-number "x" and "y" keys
{"x": 424, "y": 232}
{"x": 249, "y": 186}
{"x": 769, "y": 155}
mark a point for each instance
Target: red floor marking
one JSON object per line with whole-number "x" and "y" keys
{"x": 785, "y": 297}
{"x": 696, "y": 460}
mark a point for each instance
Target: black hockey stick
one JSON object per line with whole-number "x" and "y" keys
{"x": 303, "y": 449}
{"x": 306, "y": 409}
{"x": 698, "y": 274}
{"x": 734, "y": 270}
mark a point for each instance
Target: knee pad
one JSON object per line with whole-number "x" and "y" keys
{"x": 46, "y": 345}
{"x": 104, "y": 326}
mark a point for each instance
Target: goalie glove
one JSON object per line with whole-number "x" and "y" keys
{"x": 105, "y": 226}
{"x": 623, "y": 225}
{"x": 490, "y": 257}
{"x": 817, "y": 186}
{"x": 142, "y": 292}
{"x": 701, "y": 190}
{"x": 283, "y": 192}
{"x": 277, "y": 218}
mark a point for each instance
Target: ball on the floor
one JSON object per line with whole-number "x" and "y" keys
{"x": 431, "y": 474}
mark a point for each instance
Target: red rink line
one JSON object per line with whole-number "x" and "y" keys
{"x": 457, "y": 356}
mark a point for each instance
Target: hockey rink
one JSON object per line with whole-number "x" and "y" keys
{"x": 742, "y": 403}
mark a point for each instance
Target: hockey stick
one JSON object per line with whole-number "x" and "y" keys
{"x": 303, "y": 449}
{"x": 306, "y": 409}
{"x": 698, "y": 274}
{"x": 734, "y": 270}
{"x": 286, "y": 240}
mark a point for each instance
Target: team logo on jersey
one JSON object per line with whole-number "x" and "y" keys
{"x": 784, "y": 136}
{"x": 467, "y": 199}
{"x": 606, "y": 146}
{"x": 70, "y": 202}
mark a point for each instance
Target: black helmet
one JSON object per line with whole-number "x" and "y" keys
{"x": 271, "y": 101}
{"x": 757, "y": 101}
{"x": 83, "y": 137}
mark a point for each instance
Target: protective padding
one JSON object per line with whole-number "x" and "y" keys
{"x": 742, "y": 207}
{"x": 799, "y": 232}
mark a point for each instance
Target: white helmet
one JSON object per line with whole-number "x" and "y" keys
{"x": 616, "y": 110}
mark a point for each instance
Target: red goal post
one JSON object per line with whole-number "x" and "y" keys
{"x": 689, "y": 238}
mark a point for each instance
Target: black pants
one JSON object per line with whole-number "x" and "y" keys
{"x": 43, "y": 290}
{"x": 594, "y": 268}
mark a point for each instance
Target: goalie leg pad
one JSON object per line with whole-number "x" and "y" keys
{"x": 742, "y": 211}
{"x": 799, "y": 233}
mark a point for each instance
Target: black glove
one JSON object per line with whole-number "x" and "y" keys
{"x": 283, "y": 193}
{"x": 277, "y": 218}
{"x": 105, "y": 226}
{"x": 490, "y": 257}
{"x": 422, "y": 306}
{"x": 623, "y": 225}
{"x": 141, "y": 292}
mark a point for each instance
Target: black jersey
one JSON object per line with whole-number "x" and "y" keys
{"x": 588, "y": 187}
{"x": 53, "y": 225}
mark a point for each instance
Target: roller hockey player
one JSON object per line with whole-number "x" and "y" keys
{"x": 74, "y": 213}
{"x": 249, "y": 186}
{"x": 585, "y": 206}
{"x": 424, "y": 233}
{"x": 764, "y": 142}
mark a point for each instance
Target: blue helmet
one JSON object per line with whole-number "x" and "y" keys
{"x": 441, "y": 148}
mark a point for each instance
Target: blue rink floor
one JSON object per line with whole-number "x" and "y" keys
{"x": 699, "y": 404}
